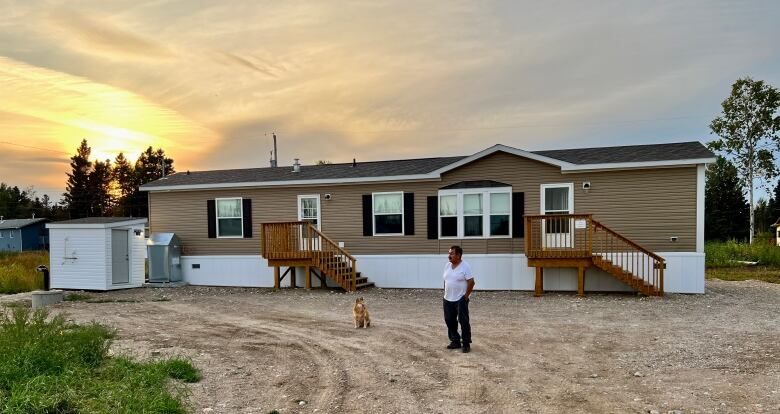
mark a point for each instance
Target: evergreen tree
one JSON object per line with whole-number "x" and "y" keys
{"x": 773, "y": 207}
{"x": 125, "y": 182}
{"x": 100, "y": 180}
{"x": 77, "y": 196}
{"x": 726, "y": 213}
{"x": 148, "y": 167}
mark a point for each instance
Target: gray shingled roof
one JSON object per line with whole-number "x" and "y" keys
{"x": 631, "y": 153}
{"x": 98, "y": 220}
{"x": 19, "y": 223}
{"x": 308, "y": 172}
{"x": 580, "y": 156}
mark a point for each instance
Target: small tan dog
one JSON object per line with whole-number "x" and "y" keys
{"x": 360, "y": 313}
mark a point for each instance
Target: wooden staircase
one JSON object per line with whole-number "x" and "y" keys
{"x": 300, "y": 244}
{"x": 576, "y": 240}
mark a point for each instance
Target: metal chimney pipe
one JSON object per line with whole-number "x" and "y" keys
{"x": 276, "y": 154}
{"x": 296, "y": 166}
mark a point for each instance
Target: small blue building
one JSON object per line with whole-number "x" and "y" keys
{"x": 24, "y": 234}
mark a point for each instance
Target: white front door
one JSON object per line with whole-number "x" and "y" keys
{"x": 557, "y": 199}
{"x": 309, "y": 210}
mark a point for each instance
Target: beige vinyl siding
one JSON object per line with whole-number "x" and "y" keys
{"x": 647, "y": 206}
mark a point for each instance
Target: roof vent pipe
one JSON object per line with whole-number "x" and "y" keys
{"x": 354, "y": 162}
{"x": 297, "y": 166}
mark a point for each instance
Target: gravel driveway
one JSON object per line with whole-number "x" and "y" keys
{"x": 297, "y": 350}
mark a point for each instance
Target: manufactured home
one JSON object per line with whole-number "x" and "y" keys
{"x": 627, "y": 218}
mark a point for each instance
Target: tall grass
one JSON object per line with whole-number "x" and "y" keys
{"x": 51, "y": 366}
{"x": 731, "y": 253}
{"x": 17, "y": 271}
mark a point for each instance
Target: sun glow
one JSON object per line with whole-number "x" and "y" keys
{"x": 112, "y": 120}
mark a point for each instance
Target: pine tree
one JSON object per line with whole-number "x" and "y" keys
{"x": 100, "y": 180}
{"x": 726, "y": 213}
{"x": 77, "y": 197}
{"x": 149, "y": 167}
{"x": 126, "y": 185}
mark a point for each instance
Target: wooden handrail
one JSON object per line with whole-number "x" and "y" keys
{"x": 332, "y": 243}
{"x": 629, "y": 241}
{"x": 300, "y": 240}
{"x": 562, "y": 236}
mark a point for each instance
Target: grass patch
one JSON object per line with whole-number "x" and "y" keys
{"x": 77, "y": 297}
{"x": 766, "y": 274}
{"x": 731, "y": 253}
{"x": 17, "y": 271}
{"x": 51, "y": 366}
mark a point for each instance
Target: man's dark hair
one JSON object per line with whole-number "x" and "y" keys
{"x": 457, "y": 249}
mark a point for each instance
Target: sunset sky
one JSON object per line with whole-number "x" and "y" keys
{"x": 209, "y": 81}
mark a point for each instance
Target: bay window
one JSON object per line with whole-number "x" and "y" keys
{"x": 475, "y": 213}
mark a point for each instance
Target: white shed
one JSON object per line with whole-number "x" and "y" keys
{"x": 97, "y": 253}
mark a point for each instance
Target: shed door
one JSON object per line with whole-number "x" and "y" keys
{"x": 120, "y": 257}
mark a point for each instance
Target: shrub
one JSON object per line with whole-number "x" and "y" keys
{"x": 731, "y": 253}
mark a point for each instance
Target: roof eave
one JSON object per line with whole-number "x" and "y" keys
{"x": 635, "y": 165}
{"x": 260, "y": 184}
{"x": 502, "y": 148}
{"x": 95, "y": 225}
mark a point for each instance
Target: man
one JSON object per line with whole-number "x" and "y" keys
{"x": 458, "y": 284}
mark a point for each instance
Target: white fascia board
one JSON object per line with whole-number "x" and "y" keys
{"x": 503, "y": 148}
{"x": 95, "y": 225}
{"x": 572, "y": 168}
{"x": 327, "y": 181}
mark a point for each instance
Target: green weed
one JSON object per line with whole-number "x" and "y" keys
{"x": 17, "y": 271}
{"x": 48, "y": 365}
{"x": 732, "y": 253}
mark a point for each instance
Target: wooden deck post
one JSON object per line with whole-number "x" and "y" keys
{"x": 276, "y": 277}
{"x": 580, "y": 281}
{"x": 539, "y": 290}
{"x": 293, "y": 285}
{"x": 307, "y": 276}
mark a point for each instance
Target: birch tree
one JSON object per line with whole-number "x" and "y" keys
{"x": 748, "y": 129}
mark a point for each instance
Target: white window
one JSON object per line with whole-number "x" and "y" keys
{"x": 11, "y": 233}
{"x": 230, "y": 221}
{"x": 1, "y": 234}
{"x": 557, "y": 198}
{"x": 448, "y": 215}
{"x": 309, "y": 209}
{"x": 388, "y": 213}
{"x": 500, "y": 214}
{"x": 475, "y": 213}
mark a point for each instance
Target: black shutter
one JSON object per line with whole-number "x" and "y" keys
{"x": 409, "y": 214}
{"x": 518, "y": 221}
{"x": 247, "y": 214}
{"x": 368, "y": 225}
{"x": 433, "y": 217}
{"x": 212, "y": 218}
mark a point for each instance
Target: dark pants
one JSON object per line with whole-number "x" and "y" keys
{"x": 454, "y": 312}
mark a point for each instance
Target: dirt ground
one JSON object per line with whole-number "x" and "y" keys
{"x": 297, "y": 351}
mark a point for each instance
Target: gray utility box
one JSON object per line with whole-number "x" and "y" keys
{"x": 164, "y": 253}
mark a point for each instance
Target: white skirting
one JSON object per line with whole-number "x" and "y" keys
{"x": 684, "y": 272}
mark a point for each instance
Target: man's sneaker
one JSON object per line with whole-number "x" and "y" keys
{"x": 453, "y": 345}
{"x": 466, "y": 349}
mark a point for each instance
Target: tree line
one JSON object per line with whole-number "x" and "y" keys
{"x": 94, "y": 188}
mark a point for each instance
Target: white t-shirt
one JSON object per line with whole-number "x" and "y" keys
{"x": 455, "y": 280}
